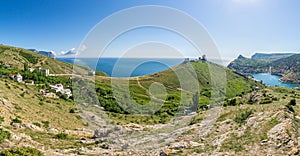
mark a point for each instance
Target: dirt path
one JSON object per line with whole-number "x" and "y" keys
{"x": 148, "y": 92}
{"x": 39, "y": 63}
{"x": 184, "y": 90}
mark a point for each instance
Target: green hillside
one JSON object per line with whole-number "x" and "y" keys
{"x": 247, "y": 65}
{"x": 180, "y": 95}
{"x": 288, "y": 67}
{"x": 16, "y": 58}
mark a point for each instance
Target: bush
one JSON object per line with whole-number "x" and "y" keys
{"x": 72, "y": 110}
{"x": 16, "y": 120}
{"x": 63, "y": 96}
{"x": 199, "y": 150}
{"x": 232, "y": 102}
{"x": 290, "y": 107}
{"x": 266, "y": 101}
{"x": 37, "y": 124}
{"x": 4, "y": 135}
{"x": 22, "y": 151}
{"x": 22, "y": 94}
{"x": 292, "y": 102}
{"x": 240, "y": 118}
{"x": 62, "y": 136}
{"x": 1, "y": 119}
{"x": 46, "y": 124}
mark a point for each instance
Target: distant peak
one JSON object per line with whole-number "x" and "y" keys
{"x": 241, "y": 57}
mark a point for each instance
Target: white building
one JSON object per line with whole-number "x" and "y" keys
{"x": 57, "y": 87}
{"x": 19, "y": 77}
{"x": 45, "y": 71}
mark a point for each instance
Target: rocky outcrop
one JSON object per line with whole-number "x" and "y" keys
{"x": 283, "y": 136}
{"x": 27, "y": 126}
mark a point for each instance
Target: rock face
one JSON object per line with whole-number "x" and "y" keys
{"x": 255, "y": 97}
{"x": 283, "y": 135}
{"x": 279, "y": 134}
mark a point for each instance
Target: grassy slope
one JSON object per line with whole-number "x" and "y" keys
{"x": 139, "y": 91}
{"x": 17, "y": 57}
{"x": 26, "y": 104}
{"x": 236, "y": 84}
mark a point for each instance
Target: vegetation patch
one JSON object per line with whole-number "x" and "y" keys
{"x": 22, "y": 151}
{"x": 4, "y": 135}
{"x": 1, "y": 119}
{"x": 16, "y": 120}
{"x": 292, "y": 102}
{"x": 37, "y": 124}
{"x": 241, "y": 117}
{"x": 46, "y": 124}
{"x": 62, "y": 136}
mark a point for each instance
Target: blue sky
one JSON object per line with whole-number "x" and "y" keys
{"x": 237, "y": 26}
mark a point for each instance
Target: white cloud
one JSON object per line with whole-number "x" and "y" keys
{"x": 71, "y": 51}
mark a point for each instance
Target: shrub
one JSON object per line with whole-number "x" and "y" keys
{"x": 46, "y": 124}
{"x": 240, "y": 118}
{"x": 22, "y": 94}
{"x": 62, "y": 136}
{"x": 292, "y": 102}
{"x": 1, "y": 119}
{"x": 265, "y": 101}
{"x": 16, "y": 120}
{"x": 4, "y": 135}
{"x": 232, "y": 102}
{"x": 63, "y": 96}
{"x": 22, "y": 151}
{"x": 206, "y": 92}
{"x": 37, "y": 124}
{"x": 199, "y": 150}
{"x": 290, "y": 107}
{"x": 72, "y": 110}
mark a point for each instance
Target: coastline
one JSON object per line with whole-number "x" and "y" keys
{"x": 289, "y": 81}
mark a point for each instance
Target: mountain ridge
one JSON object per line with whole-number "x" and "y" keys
{"x": 287, "y": 66}
{"x": 271, "y": 56}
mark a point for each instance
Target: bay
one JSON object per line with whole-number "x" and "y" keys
{"x": 126, "y": 67}
{"x": 272, "y": 80}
